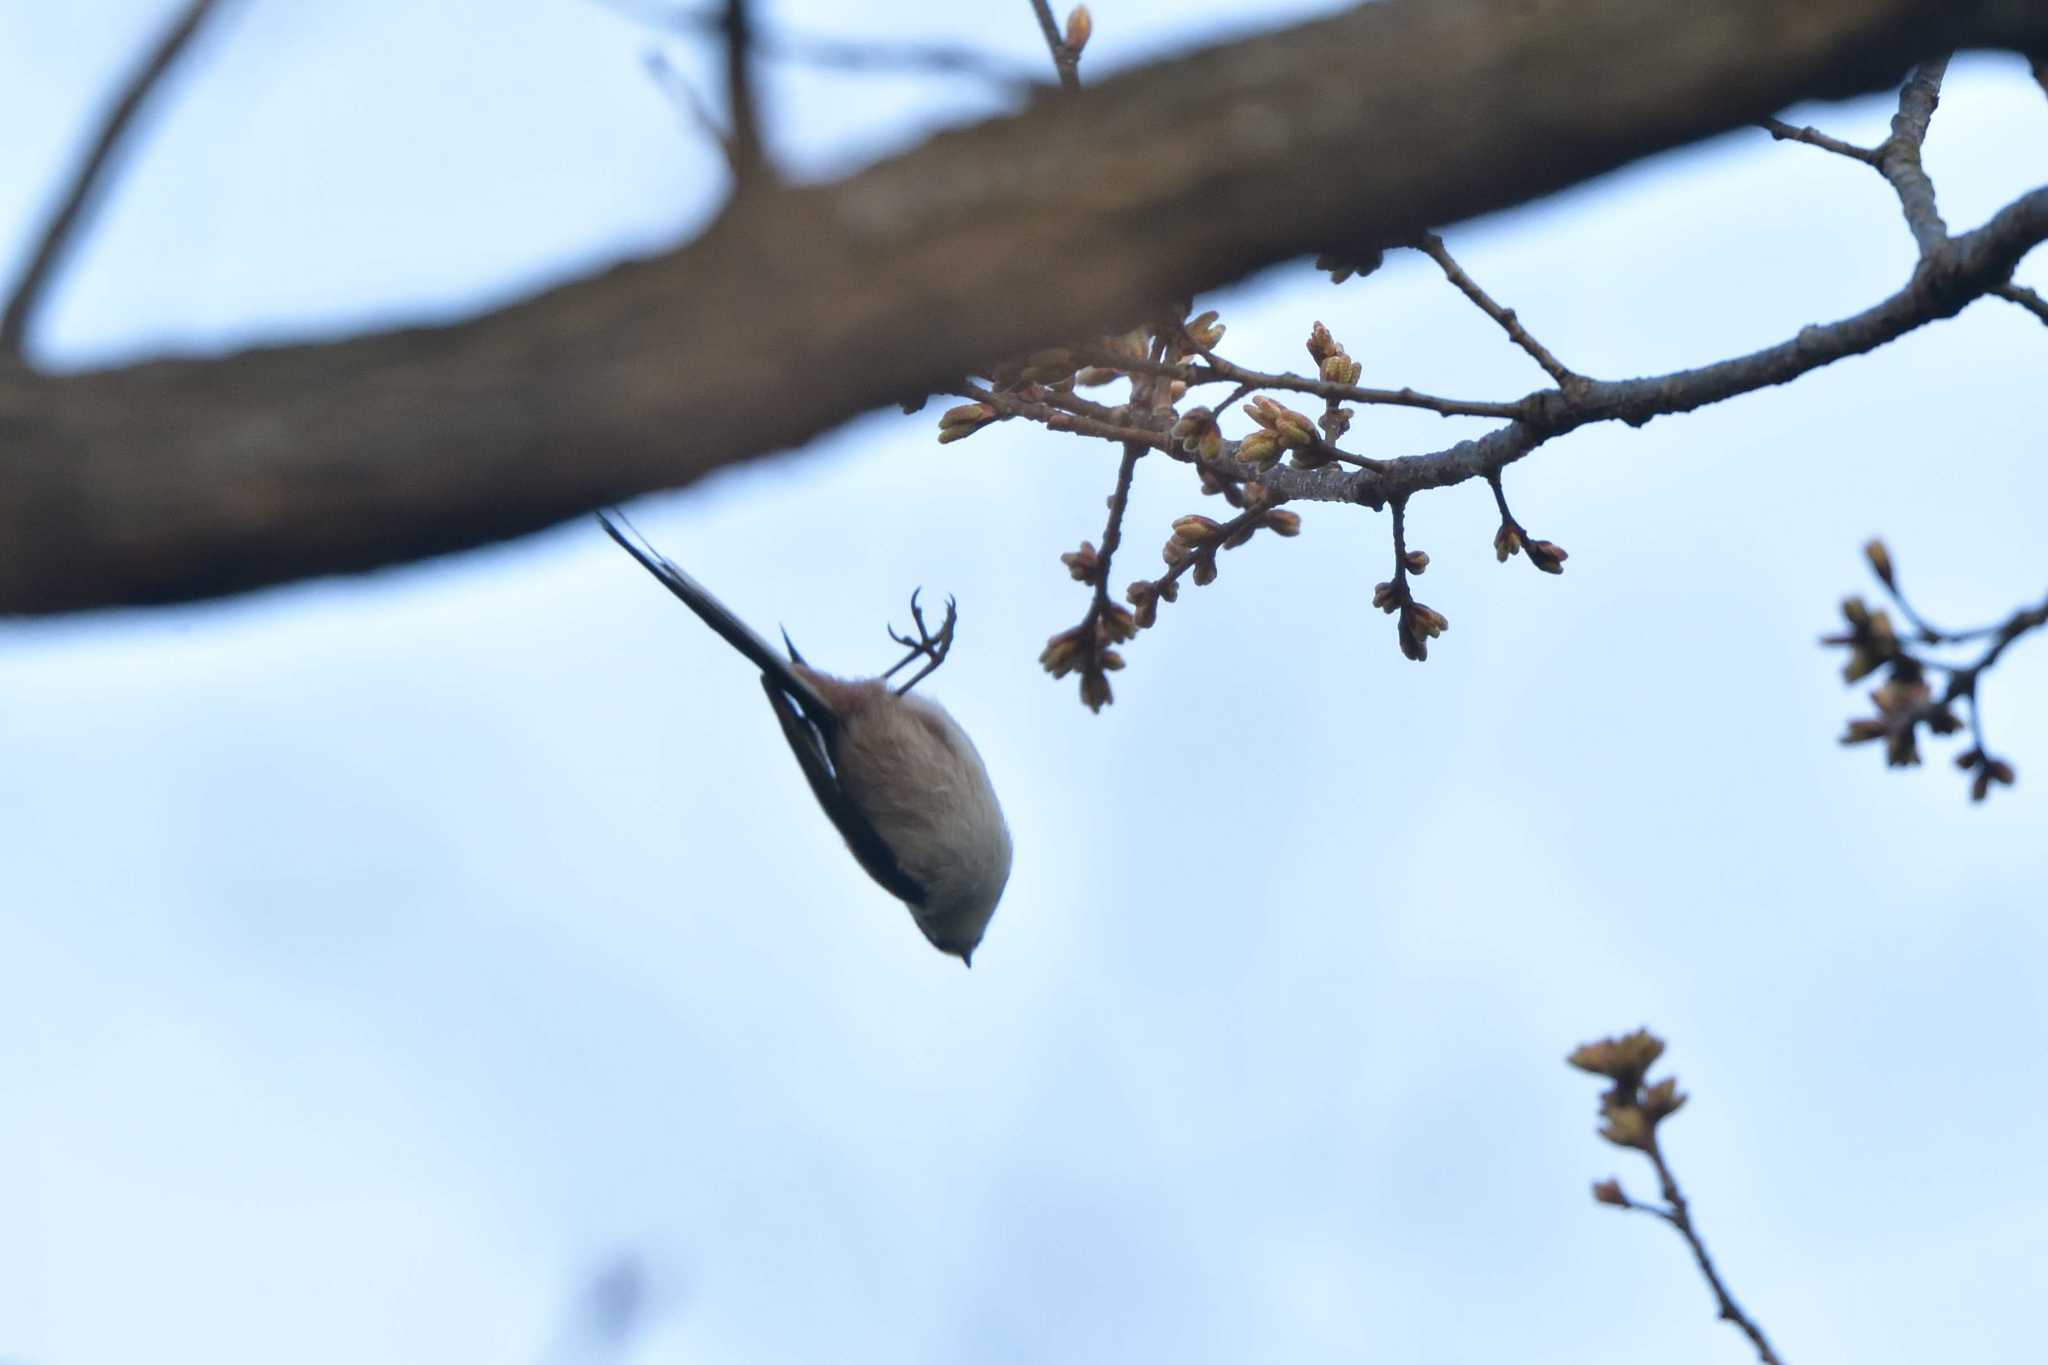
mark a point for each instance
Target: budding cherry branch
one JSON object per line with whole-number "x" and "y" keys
{"x": 802, "y": 306}
{"x": 1167, "y": 359}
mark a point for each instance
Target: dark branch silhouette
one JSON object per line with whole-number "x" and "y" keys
{"x": 88, "y": 179}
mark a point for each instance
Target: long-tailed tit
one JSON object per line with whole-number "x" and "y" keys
{"x": 896, "y": 775}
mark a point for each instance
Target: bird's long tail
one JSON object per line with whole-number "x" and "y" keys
{"x": 714, "y": 614}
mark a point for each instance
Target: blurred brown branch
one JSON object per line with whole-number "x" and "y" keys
{"x": 804, "y": 306}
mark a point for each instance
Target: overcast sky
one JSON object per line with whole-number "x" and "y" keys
{"x": 384, "y": 959}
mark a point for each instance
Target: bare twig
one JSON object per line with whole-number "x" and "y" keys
{"x": 749, "y": 158}
{"x": 1814, "y": 137}
{"x": 1679, "y": 1215}
{"x": 1899, "y": 158}
{"x": 1059, "y": 414}
{"x": 1064, "y": 57}
{"x": 1432, "y": 246}
{"x": 1963, "y": 681}
{"x": 88, "y": 179}
{"x": 938, "y": 59}
{"x": 1963, "y": 269}
{"x": 684, "y": 97}
{"x": 1219, "y": 370}
{"x": 2026, "y": 298}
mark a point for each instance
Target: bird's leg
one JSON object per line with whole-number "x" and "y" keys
{"x": 931, "y": 648}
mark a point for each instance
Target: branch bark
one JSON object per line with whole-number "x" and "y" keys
{"x": 803, "y": 307}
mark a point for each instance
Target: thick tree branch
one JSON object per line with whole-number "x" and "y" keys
{"x": 803, "y": 307}
{"x": 62, "y": 229}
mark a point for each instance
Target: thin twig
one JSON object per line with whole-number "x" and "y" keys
{"x": 843, "y": 54}
{"x": 1814, "y": 137}
{"x": 1113, "y": 528}
{"x": 1226, "y": 538}
{"x": 1219, "y": 370}
{"x": 749, "y": 159}
{"x": 1966, "y": 267}
{"x": 1679, "y": 1215}
{"x": 1899, "y": 158}
{"x": 1928, "y": 633}
{"x": 1400, "y": 519}
{"x": 88, "y": 179}
{"x": 1055, "y": 419}
{"x": 2025, "y": 298}
{"x": 1432, "y": 246}
{"x": 1065, "y": 58}
{"x": 684, "y": 97}
{"x": 1963, "y": 681}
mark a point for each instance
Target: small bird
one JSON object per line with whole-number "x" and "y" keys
{"x": 895, "y": 773}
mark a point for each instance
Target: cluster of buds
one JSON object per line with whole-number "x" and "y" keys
{"x": 1871, "y": 641}
{"x": 1194, "y": 544}
{"x": 1988, "y": 770}
{"x": 1332, "y": 362}
{"x": 1904, "y": 703}
{"x": 1281, "y": 429}
{"x": 1145, "y": 595}
{"x": 959, "y": 423}
{"x": 1087, "y": 649}
{"x": 1416, "y": 624}
{"x": 1198, "y": 434}
{"x": 1334, "y": 366}
{"x": 1197, "y": 538}
{"x": 1630, "y": 1110}
{"x": 1084, "y": 564}
{"x": 1905, "y": 700}
{"x": 1202, "y": 333}
{"x": 1511, "y": 539}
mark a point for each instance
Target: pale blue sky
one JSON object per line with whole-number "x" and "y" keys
{"x": 383, "y": 957}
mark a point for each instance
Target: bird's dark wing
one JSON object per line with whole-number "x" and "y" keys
{"x": 807, "y": 742}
